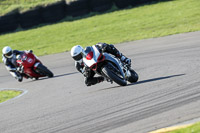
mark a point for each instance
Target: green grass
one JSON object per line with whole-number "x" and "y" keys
{"x": 23, "y": 5}
{"x": 191, "y": 129}
{"x": 8, "y": 94}
{"x": 148, "y": 21}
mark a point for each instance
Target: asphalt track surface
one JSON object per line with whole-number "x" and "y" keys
{"x": 167, "y": 93}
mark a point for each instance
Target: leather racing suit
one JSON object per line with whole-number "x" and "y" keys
{"x": 11, "y": 65}
{"x": 89, "y": 73}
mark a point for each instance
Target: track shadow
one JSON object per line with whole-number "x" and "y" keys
{"x": 155, "y": 79}
{"x": 57, "y": 76}
{"x": 61, "y": 75}
{"x": 146, "y": 81}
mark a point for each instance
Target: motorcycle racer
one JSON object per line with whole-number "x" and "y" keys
{"x": 77, "y": 53}
{"x": 9, "y": 59}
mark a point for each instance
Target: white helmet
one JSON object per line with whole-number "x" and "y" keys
{"x": 77, "y": 52}
{"x": 7, "y": 52}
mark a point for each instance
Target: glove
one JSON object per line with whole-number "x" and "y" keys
{"x": 82, "y": 70}
{"x": 86, "y": 71}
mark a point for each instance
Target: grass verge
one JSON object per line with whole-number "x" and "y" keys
{"x": 156, "y": 20}
{"x": 191, "y": 129}
{"x": 8, "y": 94}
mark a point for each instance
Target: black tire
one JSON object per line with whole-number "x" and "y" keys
{"x": 100, "y": 5}
{"x": 53, "y": 12}
{"x": 134, "y": 76}
{"x": 109, "y": 73}
{"x": 9, "y": 22}
{"x": 135, "y": 2}
{"x": 142, "y": 2}
{"x": 31, "y": 18}
{"x": 77, "y": 8}
{"x": 44, "y": 70}
{"x": 122, "y": 3}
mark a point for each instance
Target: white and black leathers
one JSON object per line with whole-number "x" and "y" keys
{"x": 89, "y": 74}
{"x": 11, "y": 65}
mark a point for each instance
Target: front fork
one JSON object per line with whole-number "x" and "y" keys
{"x": 127, "y": 73}
{"x": 36, "y": 65}
{"x": 125, "y": 69}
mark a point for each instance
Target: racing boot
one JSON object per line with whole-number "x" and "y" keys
{"x": 19, "y": 77}
{"x": 93, "y": 80}
{"x": 125, "y": 60}
{"x": 100, "y": 79}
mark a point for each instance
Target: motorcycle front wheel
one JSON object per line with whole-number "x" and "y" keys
{"x": 134, "y": 76}
{"x": 44, "y": 70}
{"x": 107, "y": 70}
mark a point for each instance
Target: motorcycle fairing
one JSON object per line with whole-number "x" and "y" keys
{"x": 113, "y": 60}
{"x": 28, "y": 60}
{"x": 99, "y": 57}
{"x": 96, "y": 55}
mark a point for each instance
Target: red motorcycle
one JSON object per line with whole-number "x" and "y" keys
{"x": 31, "y": 67}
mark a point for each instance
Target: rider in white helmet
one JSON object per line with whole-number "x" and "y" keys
{"x": 9, "y": 59}
{"x": 77, "y": 53}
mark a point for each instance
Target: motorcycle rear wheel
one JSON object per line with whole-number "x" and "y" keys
{"x": 112, "y": 75}
{"x": 44, "y": 70}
